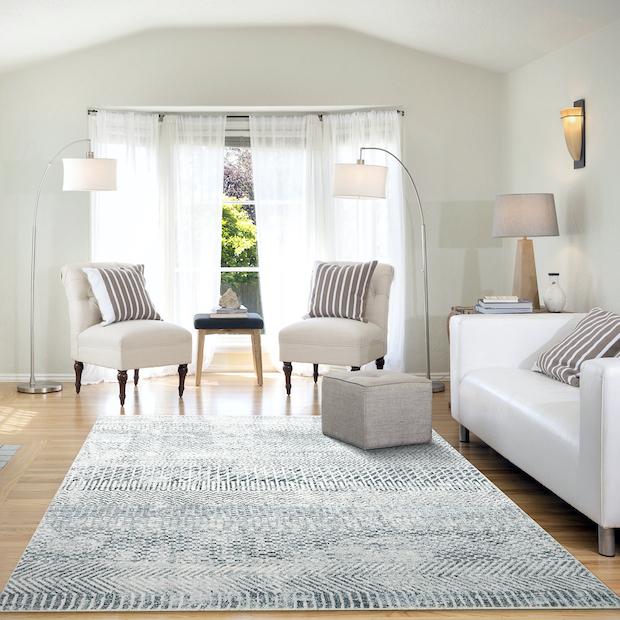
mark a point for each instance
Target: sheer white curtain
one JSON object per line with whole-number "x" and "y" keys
{"x": 192, "y": 173}
{"x": 362, "y": 230}
{"x": 285, "y": 151}
{"x": 166, "y": 213}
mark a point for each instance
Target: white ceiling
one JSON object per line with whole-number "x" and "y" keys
{"x": 498, "y": 35}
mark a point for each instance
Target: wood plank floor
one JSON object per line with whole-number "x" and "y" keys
{"x": 52, "y": 428}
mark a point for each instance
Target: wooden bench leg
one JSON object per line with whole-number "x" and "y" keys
{"x": 200, "y": 351}
{"x": 257, "y": 356}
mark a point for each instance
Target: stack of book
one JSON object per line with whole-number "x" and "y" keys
{"x": 507, "y": 304}
{"x": 229, "y": 313}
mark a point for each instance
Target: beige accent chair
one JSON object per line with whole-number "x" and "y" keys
{"x": 341, "y": 342}
{"x": 122, "y": 345}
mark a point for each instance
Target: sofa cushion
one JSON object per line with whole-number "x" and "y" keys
{"x": 121, "y": 293}
{"x": 530, "y": 419}
{"x": 340, "y": 290}
{"x": 596, "y": 335}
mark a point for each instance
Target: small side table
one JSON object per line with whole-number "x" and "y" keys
{"x": 252, "y": 326}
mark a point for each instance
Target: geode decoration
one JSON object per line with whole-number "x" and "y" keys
{"x": 229, "y": 300}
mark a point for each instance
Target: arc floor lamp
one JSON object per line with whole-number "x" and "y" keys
{"x": 367, "y": 182}
{"x": 85, "y": 175}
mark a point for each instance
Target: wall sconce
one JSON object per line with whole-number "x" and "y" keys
{"x": 574, "y": 121}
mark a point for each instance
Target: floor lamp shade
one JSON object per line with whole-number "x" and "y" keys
{"x": 359, "y": 181}
{"x": 89, "y": 174}
{"x": 525, "y": 215}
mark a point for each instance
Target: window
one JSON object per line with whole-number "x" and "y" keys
{"x": 240, "y": 270}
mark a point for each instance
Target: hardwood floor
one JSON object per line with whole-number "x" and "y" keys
{"x": 51, "y": 429}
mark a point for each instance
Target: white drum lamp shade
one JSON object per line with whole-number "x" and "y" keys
{"x": 89, "y": 174}
{"x": 359, "y": 181}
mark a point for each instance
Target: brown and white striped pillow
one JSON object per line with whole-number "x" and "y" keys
{"x": 340, "y": 290}
{"x": 596, "y": 335}
{"x": 121, "y": 293}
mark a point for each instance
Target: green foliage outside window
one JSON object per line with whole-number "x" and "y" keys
{"x": 239, "y": 247}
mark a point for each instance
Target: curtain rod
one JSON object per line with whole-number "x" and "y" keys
{"x": 162, "y": 114}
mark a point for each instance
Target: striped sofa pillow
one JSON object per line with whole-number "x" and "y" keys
{"x": 121, "y": 293}
{"x": 340, "y": 290}
{"x": 596, "y": 335}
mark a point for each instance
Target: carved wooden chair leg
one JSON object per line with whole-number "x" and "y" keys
{"x": 182, "y": 373}
{"x": 122, "y": 382}
{"x": 288, "y": 369}
{"x": 78, "y": 367}
{"x": 380, "y": 363}
{"x": 315, "y": 374}
{"x": 353, "y": 368}
{"x": 136, "y": 376}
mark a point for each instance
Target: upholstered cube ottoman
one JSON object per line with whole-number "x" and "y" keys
{"x": 376, "y": 408}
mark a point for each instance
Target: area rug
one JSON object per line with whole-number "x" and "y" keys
{"x": 266, "y": 513}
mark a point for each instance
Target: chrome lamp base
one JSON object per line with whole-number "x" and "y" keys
{"x": 438, "y": 386}
{"x": 39, "y": 387}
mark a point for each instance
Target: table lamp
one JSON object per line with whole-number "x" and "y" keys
{"x": 525, "y": 215}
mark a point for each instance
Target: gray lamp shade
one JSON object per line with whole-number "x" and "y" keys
{"x": 359, "y": 181}
{"x": 89, "y": 174}
{"x": 525, "y": 215}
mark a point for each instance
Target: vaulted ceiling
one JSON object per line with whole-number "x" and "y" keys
{"x": 497, "y": 35}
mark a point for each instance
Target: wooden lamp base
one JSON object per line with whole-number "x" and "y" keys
{"x": 525, "y": 283}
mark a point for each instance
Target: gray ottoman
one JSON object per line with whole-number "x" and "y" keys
{"x": 376, "y": 408}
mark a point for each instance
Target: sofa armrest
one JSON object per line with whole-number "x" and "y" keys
{"x": 501, "y": 341}
{"x": 599, "y": 441}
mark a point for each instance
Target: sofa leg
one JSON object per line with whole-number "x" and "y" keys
{"x": 288, "y": 370}
{"x": 78, "y": 367}
{"x": 122, "y": 382}
{"x": 136, "y": 376}
{"x": 380, "y": 363}
{"x": 355, "y": 368}
{"x": 315, "y": 374}
{"x": 182, "y": 373}
{"x": 463, "y": 434}
{"x": 606, "y": 541}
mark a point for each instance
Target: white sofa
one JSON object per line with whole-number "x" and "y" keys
{"x": 567, "y": 438}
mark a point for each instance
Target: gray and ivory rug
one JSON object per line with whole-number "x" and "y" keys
{"x": 253, "y": 513}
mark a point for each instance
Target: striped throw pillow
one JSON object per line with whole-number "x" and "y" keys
{"x": 121, "y": 293}
{"x": 340, "y": 290}
{"x": 596, "y": 335}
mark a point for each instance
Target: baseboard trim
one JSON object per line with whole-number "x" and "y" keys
{"x": 22, "y": 378}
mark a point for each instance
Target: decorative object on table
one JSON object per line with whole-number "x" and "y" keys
{"x": 341, "y": 341}
{"x": 508, "y": 304}
{"x": 249, "y": 323}
{"x": 363, "y": 181}
{"x": 574, "y": 122}
{"x": 229, "y": 300}
{"x": 265, "y": 513}
{"x": 376, "y": 408}
{"x": 89, "y": 174}
{"x": 554, "y": 297}
{"x": 229, "y": 313}
{"x": 123, "y": 344}
{"x": 525, "y": 215}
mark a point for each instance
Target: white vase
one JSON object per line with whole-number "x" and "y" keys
{"x": 554, "y": 297}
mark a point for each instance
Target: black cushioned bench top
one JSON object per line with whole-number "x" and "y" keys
{"x": 204, "y": 321}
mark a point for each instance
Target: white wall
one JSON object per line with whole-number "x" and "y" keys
{"x": 535, "y": 159}
{"x": 452, "y": 146}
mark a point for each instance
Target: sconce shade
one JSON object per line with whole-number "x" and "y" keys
{"x": 359, "y": 181}
{"x": 572, "y": 119}
{"x": 89, "y": 174}
{"x": 525, "y": 215}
